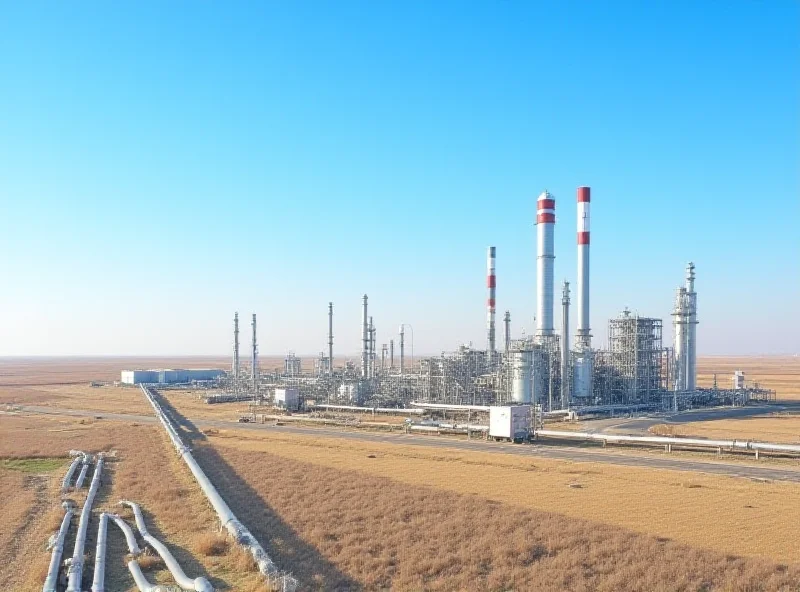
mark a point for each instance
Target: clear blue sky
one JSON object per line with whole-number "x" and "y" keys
{"x": 164, "y": 164}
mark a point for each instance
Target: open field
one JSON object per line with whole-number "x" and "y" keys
{"x": 780, "y": 373}
{"x": 143, "y": 469}
{"x": 770, "y": 428}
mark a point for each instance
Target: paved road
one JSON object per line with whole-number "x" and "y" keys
{"x": 572, "y": 453}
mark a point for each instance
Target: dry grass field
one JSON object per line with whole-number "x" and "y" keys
{"x": 727, "y": 515}
{"x": 771, "y": 428}
{"x": 780, "y": 373}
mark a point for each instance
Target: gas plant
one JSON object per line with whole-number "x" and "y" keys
{"x": 635, "y": 371}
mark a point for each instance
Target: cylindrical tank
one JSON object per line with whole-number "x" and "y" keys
{"x": 521, "y": 378}
{"x": 679, "y": 330}
{"x": 545, "y": 221}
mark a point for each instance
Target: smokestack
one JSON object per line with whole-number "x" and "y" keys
{"x": 330, "y": 337}
{"x": 583, "y": 338}
{"x": 565, "y": 346}
{"x": 402, "y": 349}
{"x": 364, "y": 342}
{"x": 491, "y": 282}
{"x": 391, "y": 354}
{"x": 235, "y": 369}
{"x": 254, "y": 369}
{"x": 507, "y": 323}
{"x": 545, "y": 221}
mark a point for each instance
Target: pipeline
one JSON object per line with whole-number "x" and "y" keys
{"x": 130, "y": 539}
{"x": 199, "y": 584}
{"x": 99, "y": 578}
{"x": 732, "y": 445}
{"x": 51, "y": 581}
{"x": 72, "y": 468}
{"x": 227, "y": 519}
{"x": 84, "y": 469}
{"x": 141, "y": 582}
{"x": 75, "y": 571}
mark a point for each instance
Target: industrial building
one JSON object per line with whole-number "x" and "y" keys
{"x": 169, "y": 376}
{"x": 635, "y": 371}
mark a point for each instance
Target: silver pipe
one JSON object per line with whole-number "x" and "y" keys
{"x": 200, "y": 584}
{"x": 141, "y": 582}
{"x": 73, "y": 466}
{"x": 445, "y": 406}
{"x": 75, "y": 571}
{"x": 84, "y": 469}
{"x": 130, "y": 538}
{"x": 99, "y": 578}
{"x": 227, "y": 519}
{"x": 51, "y": 581}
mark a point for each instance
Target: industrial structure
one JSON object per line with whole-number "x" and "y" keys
{"x": 635, "y": 371}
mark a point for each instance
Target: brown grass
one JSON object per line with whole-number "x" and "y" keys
{"x": 780, "y": 373}
{"x": 341, "y": 529}
{"x": 149, "y": 562}
{"x": 211, "y": 545}
{"x": 732, "y": 516}
{"x": 771, "y": 428}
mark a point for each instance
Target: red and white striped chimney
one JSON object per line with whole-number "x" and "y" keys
{"x": 583, "y": 338}
{"x": 545, "y": 257}
{"x": 491, "y": 282}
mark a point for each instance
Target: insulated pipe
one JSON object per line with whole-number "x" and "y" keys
{"x": 199, "y": 584}
{"x": 75, "y": 572}
{"x": 99, "y": 578}
{"x": 71, "y": 470}
{"x": 130, "y": 538}
{"x": 545, "y": 257}
{"x": 491, "y": 283}
{"x": 84, "y": 469}
{"x": 447, "y": 407}
{"x": 141, "y": 582}
{"x": 51, "y": 581}
{"x": 228, "y": 520}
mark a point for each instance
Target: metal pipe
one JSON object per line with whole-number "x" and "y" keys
{"x": 200, "y": 584}
{"x": 99, "y": 578}
{"x": 51, "y": 581}
{"x": 75, "y": 571}
{"x": 491, "y": 283}
{"x": 545, "y": 257}
{"x": 84, "y": 469}
{"x": 130, "y": 538}
{"x": 71, "y": 470}
{"x": 228, "y": 520}
{"x": 447, "y": 407}
{"x": 370, "y": 409}
{"x": 141, "y": 582}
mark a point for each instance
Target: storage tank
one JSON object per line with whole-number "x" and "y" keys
{"x": 521, "y": 378}
{"x": 583, "y": 368}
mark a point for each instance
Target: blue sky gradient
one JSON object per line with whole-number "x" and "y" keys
{"x": 163, "y": 165}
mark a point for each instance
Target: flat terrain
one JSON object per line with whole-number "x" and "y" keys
{"x": 779, "y": 373}
{"x": 353, "y": 510}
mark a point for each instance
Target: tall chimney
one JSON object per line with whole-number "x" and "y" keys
{"x": 565, "y": 346}
{"x": 545, "y": 221}
{"x": 583, "y": 337}
{"x": 364, "y": 341}
{"x": 235, "y": 369}
{"x": 402, "y": 349}
{"x": 491, "y": 282}
{"x": 254, "y": 369}
{"x": 391, "y": 354}
{"x": 507, "y": 323}
{"x": 330, "y": 337}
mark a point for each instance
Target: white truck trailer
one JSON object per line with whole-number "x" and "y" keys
{"x": 510, "y": 422}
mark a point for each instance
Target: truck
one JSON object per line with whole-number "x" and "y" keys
{"x": 510, "y": 422}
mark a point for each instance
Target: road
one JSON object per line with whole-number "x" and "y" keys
{"x": 570, "y": 453}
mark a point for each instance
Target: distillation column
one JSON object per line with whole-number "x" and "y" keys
{"x": 402, "y": 349}
{"x": 330, "y": 337}
{"x": 565, "y": 345}
{"x": 364, "y": 341}
{"x": 507, "y": 323}
{"x": 691, "y": 329}
{"x": 235, "y": 369}
{"x": 254, "y": 369}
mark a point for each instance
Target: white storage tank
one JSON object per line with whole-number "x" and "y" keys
{"x": 738, "y": 380}
{"x": 287, "y": 398}
{"x": 511, "y": 422}
{"x": 582, "y": 374}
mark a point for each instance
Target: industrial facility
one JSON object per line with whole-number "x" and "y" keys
{"x": 169, "y": 376}
{"x": 635, "y": 371}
